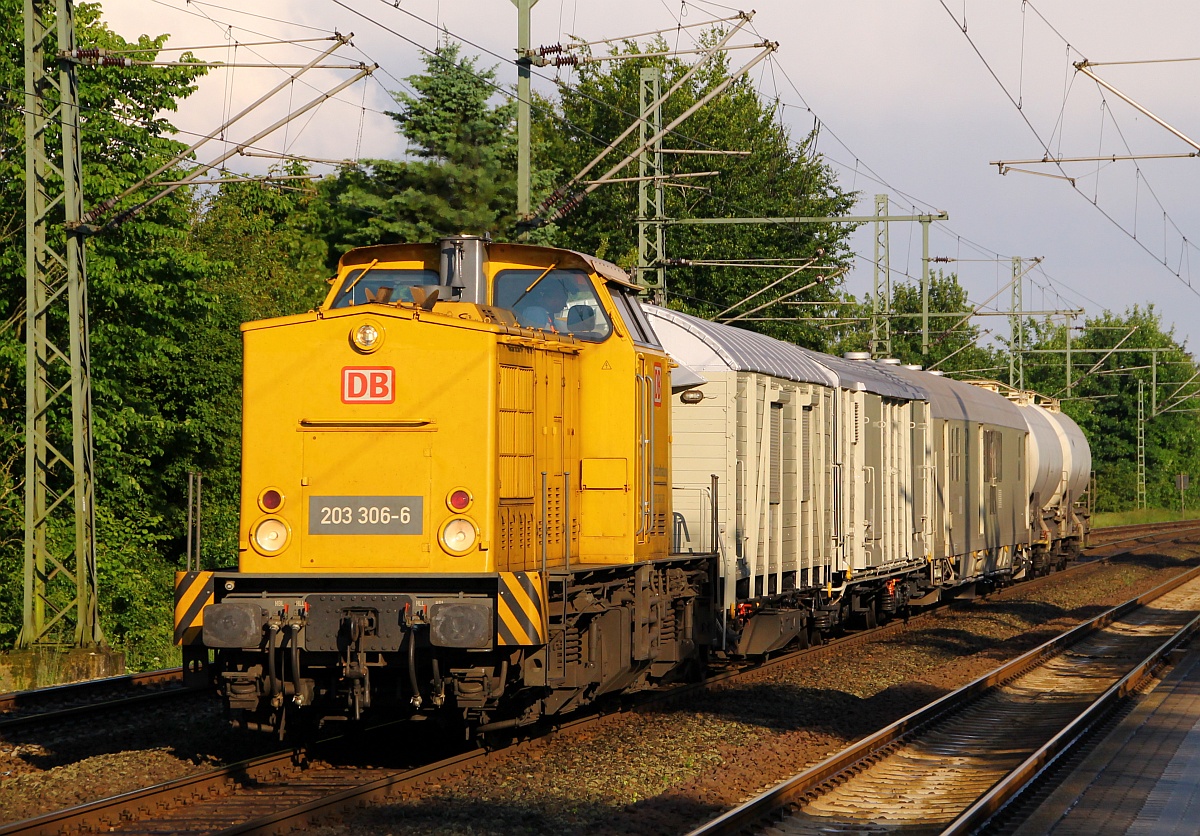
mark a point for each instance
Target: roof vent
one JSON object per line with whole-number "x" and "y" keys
{"x": 889, "y": 361}
{"x": 857, "y": 355}
{"x": 912, "y": 367}
{"x": 936, "y": 372}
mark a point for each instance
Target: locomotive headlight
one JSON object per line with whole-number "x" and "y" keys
{"x": 269, "y": 535}
{"x": 459, "y": 535}
{"x": 367, "y": 337}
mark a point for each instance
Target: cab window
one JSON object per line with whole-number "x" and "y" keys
{"x": 381, "y": 285}
{"x": 634, "y": 317}
{"x": 564, "y": 301}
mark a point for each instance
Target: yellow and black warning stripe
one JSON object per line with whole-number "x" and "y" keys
{"x": 193, "y": 592}
{"x": 521, "y": 609}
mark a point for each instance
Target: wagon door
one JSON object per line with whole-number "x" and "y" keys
{"x": 652, "y": 467}
{"x": 874, "y": 476}
{"x": 923, "y": 475}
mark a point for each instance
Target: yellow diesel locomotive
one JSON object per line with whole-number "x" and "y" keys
{"x": 455, "y": 498}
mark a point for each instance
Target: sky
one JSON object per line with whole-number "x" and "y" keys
{"x": 914, "y": 98}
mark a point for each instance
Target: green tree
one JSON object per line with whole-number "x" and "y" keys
{"x": 1103, "y": 399}
{"x": 954, "y": 342}
{"x": 459, "y": 176}
{"x": 777, "y": 177}
{"x": 146, "y": 292}
{"x": 168, "y": 289}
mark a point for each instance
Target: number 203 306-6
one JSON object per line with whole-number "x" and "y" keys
{"x": 365, "y": 514}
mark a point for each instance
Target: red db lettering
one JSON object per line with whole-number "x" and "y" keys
{"x": 368, "y": 384}
{"x": 381, "y": 385}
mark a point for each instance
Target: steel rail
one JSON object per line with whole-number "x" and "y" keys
{"x": 33, "y": 696}
{"x": 59, "y": 715}
{"x": 305, "y": 814}
{"x": 787, "y": 792}
{"x": 302, "y": 815}
{"x": 106, "y": 812}
{"x": 20, "y": 708}
{"x": 1166, "y": 526}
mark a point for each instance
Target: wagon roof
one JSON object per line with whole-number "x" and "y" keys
{"x": 737, "y": 349}
{"x": 955, "y": 400}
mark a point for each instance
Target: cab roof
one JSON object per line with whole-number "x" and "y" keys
{"x": 518, "y": 253}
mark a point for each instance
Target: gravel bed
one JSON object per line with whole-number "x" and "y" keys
{"x": 668, "y": 771}
{"x": 654, "y": 772}
{"x": 43, "y": 770}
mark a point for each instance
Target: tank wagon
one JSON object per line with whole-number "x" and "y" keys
{"x": 482, "y": 482}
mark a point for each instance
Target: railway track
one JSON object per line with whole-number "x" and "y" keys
{"x": 37, "y": 698}
{"x": 74, "y": 701}
{"x": 951, "y": 766}
{"x": 280, "y": 791}
{"x": 1113, "y": 535}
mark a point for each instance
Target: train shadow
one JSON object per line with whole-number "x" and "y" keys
{"x": 1154, "y": 560}
{"x": 197, "y": 731}
{"x": 785, "y": 707}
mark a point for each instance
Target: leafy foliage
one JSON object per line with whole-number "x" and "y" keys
{"x": 142, "y": 293}
{"x": 169, "y": 288}
{"x": 954, "y": 343}
{"x": 774, "y": 178}
{"x": 167, "y": 291}
{"x": 1106, "y": 385}
{"x": 461, "y": 180}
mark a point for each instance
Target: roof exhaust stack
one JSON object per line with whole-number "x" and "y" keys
{"x": 462, "y": 268}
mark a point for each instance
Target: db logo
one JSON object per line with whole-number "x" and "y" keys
{"x": 368, "y": 384}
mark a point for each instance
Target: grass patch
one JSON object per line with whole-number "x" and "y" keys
{"x": 1142, "y": 516}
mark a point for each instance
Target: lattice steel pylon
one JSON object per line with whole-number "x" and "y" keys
{"x": 60, "y": 606}
{"x": 1016, "y": 339}
{"x": 651, "y": 202}
{"x": 1141, "y": 445}
{"x": 881, "y": 298}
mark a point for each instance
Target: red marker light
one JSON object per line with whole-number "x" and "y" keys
{"x": 271, "y": 500}
{"x": 459, "y": 500}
